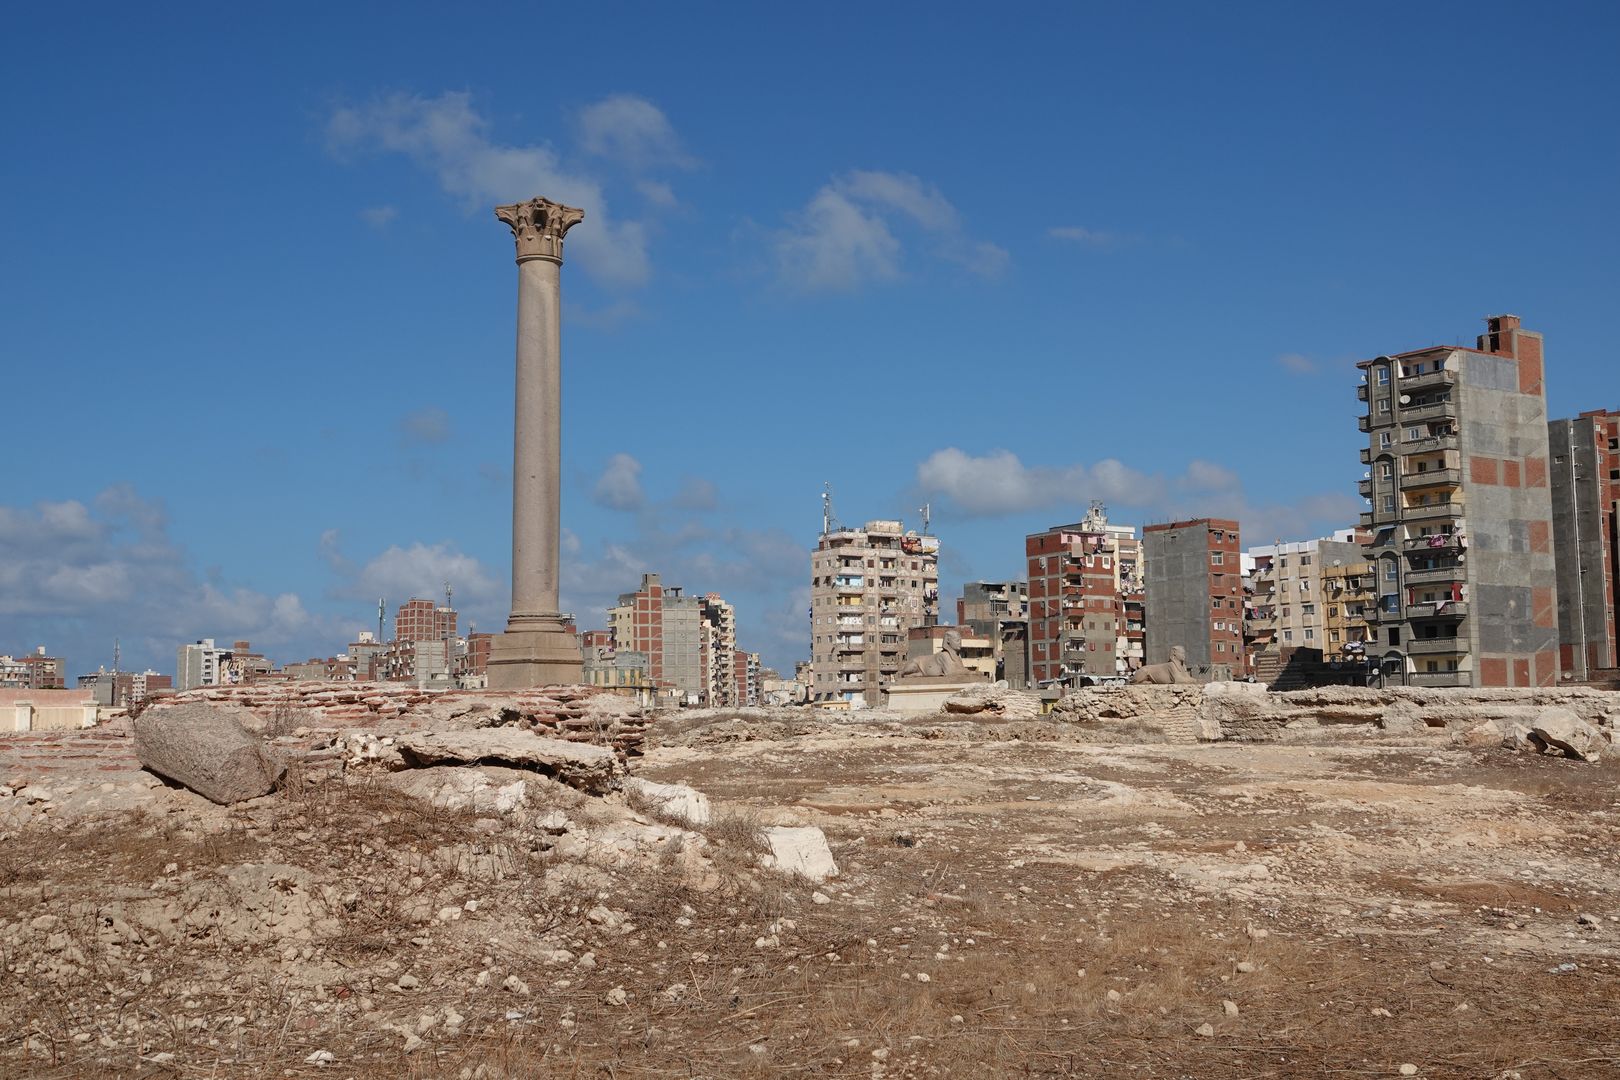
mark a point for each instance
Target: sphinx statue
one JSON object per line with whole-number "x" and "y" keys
{"x": 1173, "y": 672}
{"x": 946, "y": 662}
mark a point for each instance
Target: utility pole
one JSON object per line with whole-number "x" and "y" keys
{"x": 381, "y": 605}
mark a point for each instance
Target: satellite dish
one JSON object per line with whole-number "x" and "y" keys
{"x": 1406, "y": 399}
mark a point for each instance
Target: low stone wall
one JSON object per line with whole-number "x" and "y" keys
{"x": 1246, "y": 711}
{"x": 576, "y": 713}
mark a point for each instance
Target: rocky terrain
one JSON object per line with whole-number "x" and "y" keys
{"x": 1362, "y": 886}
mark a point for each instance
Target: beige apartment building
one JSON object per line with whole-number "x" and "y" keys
{"x": 1287, "y": 601}
{"x": 868, "y": 587}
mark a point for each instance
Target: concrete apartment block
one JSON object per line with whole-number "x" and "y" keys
{"x": 999, "y": 611}
{"x": 1082, "y": 579}
{"x": 1461, "y": 513}
{"x": 1194, "y": 595}
{"x": 1287, "y": 591}
{"x": 1586, "y": 504}
{"x": 868, "y": 586}
{"x": 689, "y": 641}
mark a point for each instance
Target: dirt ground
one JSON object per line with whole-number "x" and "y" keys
{"x": 1016, "y": 899}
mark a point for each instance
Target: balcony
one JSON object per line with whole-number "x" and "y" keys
{"x": 1422, "y": 512}
{"x": 1434, "y": 410}
{"x": 1436, "y": 646}
{"x": 1430, "y": 478}
{"x": 1366, "y": 488}
{"x": 1430, "y": 575}
{"x": 1442, "y": 609}
{"x": 1361, "y": 392}
{"x": 1428, "y": 380}
{"x": 1428, "y": 444}
{"x": 1447, "y": 542}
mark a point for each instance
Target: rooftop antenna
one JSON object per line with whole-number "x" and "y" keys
{"x": 924, "y": 510}
{"x": 381, "y": 605}
{"x": 827, "y": 518}
{"x": 447, "y": 594}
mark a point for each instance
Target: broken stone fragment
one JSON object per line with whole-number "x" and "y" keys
{"x": 591, "y": 769}
{"x": 801, "y": 851}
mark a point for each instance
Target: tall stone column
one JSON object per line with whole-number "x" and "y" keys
{"x": 537, "y": 649}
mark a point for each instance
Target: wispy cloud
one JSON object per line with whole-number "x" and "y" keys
{"x": 619, "y": 486}
{"x": 1096, "y": 239}
{"x": 427, "y": 426}
{"x": 74, "y": 576}
{"x": 999, "y": 484}
{"x": 631, "y": 130}
{"x": 450, "y": 139}
{"x": 379, "y": 217}
{"x": 847, "y": 235}
{"x": 1299, "y": 363}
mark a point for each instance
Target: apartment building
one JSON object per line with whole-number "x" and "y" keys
{"x": 1585, "y": 486}
{"x": 198, "y": 664}
{"x": 1286, "y": 601}
{"x": 747, "y": 676}
{"x": 1086, "y": 618}
{"x": 999, "y": 612}
{"x": 1194, "y": 596}
{"x": 33, "y": 671}
{"x": 422, "y": 620}
{"x": 868, "y": 587}
{"x": 1461, "y": 512}
{"x": 1347, "y": 598}
{"x": 690, "y": 641}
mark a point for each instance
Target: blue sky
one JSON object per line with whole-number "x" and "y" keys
{"x": 257, "y": 319}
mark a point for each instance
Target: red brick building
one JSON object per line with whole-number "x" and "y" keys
{"x": 1082, "y": 580}
{"x": 422, "y": 620}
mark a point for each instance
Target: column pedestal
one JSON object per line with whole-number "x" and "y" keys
{"x": 539, "y": 653}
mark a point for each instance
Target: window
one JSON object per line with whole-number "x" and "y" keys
{"x": 1413, "y": 434}
{"x": 1307, "y": 609}
{"x": 1216, "y": 558}
{"x": 1394, "y": 635}
{"x": 1309, "y": 633}
{"x": 1304, "y": 560}
{"x": 1385, "y": 441}
{"x": 1383, "y": 375}
{"x": 1288, "y": 635}
{"x": 1333, "y": 635}
{"x": 1386, "y": 470}
{"x": 1389, "y": 504}
{"x": 1305, "y": 585}
{"x": 1383, "y": 404}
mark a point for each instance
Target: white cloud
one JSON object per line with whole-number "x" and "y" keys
{"x": 999, "y": 483}
{"x": 1299, "y": 363}
{"x": 631, "y": 130}
{"x": 449, "y": 138}
{"x": 619, "y": 486}
{"x": 428, "y": 426}
{"x": 697, "y": 493}
{"x": 421, "y": 570}
{"x": 845, "y": 236}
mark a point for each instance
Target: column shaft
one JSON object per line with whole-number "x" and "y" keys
{"x": 537, "y": 445}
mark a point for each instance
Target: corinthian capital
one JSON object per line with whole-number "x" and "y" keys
{"x": 538, "y": 226}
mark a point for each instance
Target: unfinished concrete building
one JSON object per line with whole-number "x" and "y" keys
{"x": 999, "y": 611}
{"x": 1194, "y": 595}
{"x": 868, "y": 586}
{"x": 1585, "y": 504}
{"x": 1461, "y": 512}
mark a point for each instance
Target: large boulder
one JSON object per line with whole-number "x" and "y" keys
{"x": 1560, "y": 729}
{"x": 587, "y": 768}
{"x": 201, "y": 747}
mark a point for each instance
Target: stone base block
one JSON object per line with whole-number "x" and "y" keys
{"x": 543, "y": 655}
{"x": 926, "y": 695}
